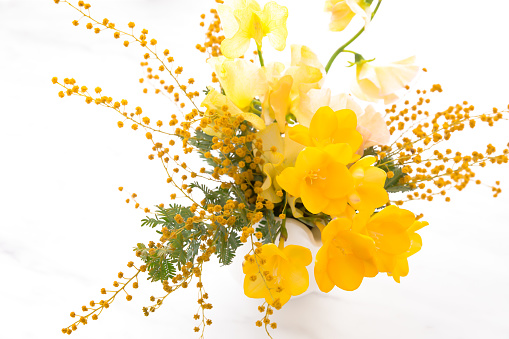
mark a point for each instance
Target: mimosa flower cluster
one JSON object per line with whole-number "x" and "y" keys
{"x": 274, "y": 144}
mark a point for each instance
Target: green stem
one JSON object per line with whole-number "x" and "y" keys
{"x": 260, "y": 55}
{"x": 342, "y": 48}
{"x": 284, "y": 232}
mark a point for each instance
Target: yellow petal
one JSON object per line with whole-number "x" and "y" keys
{"x": 249, "y": 268}
{"x": 279, "y": 100}
{"x": 396, "y": 243}
{"x": 321, "y": 275}
{"x": 312, "y": 159}
{"x": 271, "y": 250}
{"x": 415, "y": 244}
{"x": 336, "y": 207}
{"x": 346, "y": 118}
{"x": 290, "y": 180}
{"x": 366, "y": 161}
{"x": 228, "y": 21}
{"x": 303, "y": 56}
{"x": 240, "y": 79}
{"x": 313, "y": 198}
{"x": 298, "y": 254}
{"x": 370, "y": 269}
{"x": 392, "y": 219}
{"x": 323, "y": 125}
{"x": 300, "y": 134}
{"x": 236, "y": 46}
{"x": 341, "y": 153}
{"x": 305, "y": 78}
{"x": 257, "y": 288}
{"x": 349, "y": 136}
{"x": 371, "y": 197}
{"x": 417, "y": 225}
{"x": 291, "y": 149}
{"x": 339, "y": 181}
{"x": 297, "y": 279}
{"x": 385, "y": 262}
{"x": 333, "y": 227}
{"x": 274, "y": 23}
{"x": 341, "y": 15}
{"x": 375, "y": 176}
{"x": 362, "y": 246}
{"x": 346, "y": 271}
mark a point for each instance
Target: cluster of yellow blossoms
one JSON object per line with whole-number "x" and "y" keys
{"x": 280, "y": 145}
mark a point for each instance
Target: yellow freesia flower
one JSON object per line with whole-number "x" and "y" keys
{"x": 320, "y": 178}
{"x": 241, "y": 80}
{"x": 329, "y": 127}
{"x": 343, "y": 12}
{"x": 393, "y": 230}
{"x": 243, "y": 20}
{"x": 370, "y": 123}
{"x": 277, "y": 273}
{"x": 369, "y": 184}
{"x": 376, "y": 83}
{"x": 219, "y": 107}
{"x": 345, "y": 258}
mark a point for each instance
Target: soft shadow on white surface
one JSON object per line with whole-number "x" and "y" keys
{"x": 65, "y": 230}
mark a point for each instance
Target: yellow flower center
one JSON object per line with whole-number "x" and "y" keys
{"x": 313, "y": 175}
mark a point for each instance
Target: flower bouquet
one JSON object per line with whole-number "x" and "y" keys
{"x": 265, "y": 144}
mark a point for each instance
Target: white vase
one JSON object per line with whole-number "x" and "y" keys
{"x": 298, "y": 234}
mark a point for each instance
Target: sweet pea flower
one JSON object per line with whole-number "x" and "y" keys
{"x": 343, "y": 12}
{"x": 277, "y": 273}
{"x": 240, "y": 79}
{"x": 375, "y": 83}
{"x": 285, "y": 89}
{"x": 243, "y": 20}
{"x": 373, "y": 128}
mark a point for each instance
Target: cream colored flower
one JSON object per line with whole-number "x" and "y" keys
{"x": 343, "y": 12}
{"x": 305, "y": 73}
{"x": 241, "y": 80}
{"x": 376, "y": 83}
{"x": 243, "y": 20}
{"x": 373, "y": 128}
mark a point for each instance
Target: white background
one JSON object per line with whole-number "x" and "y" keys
{"x": 65, "y": 230}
